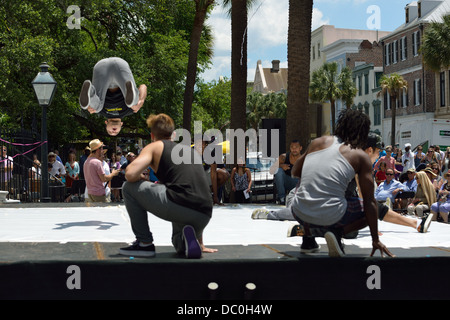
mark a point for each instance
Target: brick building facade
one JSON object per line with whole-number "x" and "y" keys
{"x": 416, "y": 106}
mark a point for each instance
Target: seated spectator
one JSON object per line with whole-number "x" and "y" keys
{"x": 425, "y": 195}
{"x": 388, "y": 190}
{"x": 283, "y": 180}
{"x": 442, "y": 206}
{"x": 380, "y": 176}
{"x": 411, "y": 183}
{"x": 438, "y": 181}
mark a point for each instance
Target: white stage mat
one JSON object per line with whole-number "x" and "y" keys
{"x": 230, "y": 225}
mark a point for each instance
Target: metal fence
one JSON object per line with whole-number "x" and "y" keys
{"x": 20, "y": 176}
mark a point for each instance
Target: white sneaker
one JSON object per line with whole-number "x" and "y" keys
{"x": 260, "y": 213}
{"x": 334, "y": 247}
{"x": 85, "y": 94}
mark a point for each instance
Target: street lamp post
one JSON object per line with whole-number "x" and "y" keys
{"x": 44, "y": 86}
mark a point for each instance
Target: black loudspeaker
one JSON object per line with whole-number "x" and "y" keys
{"x": 279, "y": 124}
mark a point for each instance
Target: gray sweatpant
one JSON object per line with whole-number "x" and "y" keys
{"x": 110, "y": 73}
{"x": 144, "y": 196}
{"x": 285, "y": 213}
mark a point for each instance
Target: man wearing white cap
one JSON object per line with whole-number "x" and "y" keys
{"x": 94, "y": 173}
{"x": 408, "y": 158}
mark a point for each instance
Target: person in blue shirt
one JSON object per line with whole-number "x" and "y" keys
{"x": 411, "y": 183}
{"x": 389, "y": 188}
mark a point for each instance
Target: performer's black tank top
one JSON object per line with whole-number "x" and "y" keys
{"x": 114, "y": 106}
{"x": 186, "y": 182}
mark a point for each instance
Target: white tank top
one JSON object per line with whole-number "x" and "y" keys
{"x": 320, "y": 198}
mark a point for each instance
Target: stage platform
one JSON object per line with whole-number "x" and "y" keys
{"x": 70, "y": 251}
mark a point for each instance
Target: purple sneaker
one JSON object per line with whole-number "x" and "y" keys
{"x": 192, "y": 247}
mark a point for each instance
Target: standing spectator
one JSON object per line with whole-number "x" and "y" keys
{"x": 446, "y": 161}
{"x": 58, "y": 158}
{"x": 6, "y": 169}
{"x": 117, "y": 181}
{"x": 388, "y": 159}
{"x": 72, "y": 169}
{"x": 94, "y": 173}
{"x": 440, "y": 155}
{"x": 418, "y": 157}
{"x": 83, "y": 158}
{"x": 408, "y": 159}
{"x": 55, "y": 168}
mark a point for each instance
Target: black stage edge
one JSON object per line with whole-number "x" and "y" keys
{"x": 168, "y": 277}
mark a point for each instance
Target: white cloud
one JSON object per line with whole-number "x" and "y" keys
{"x": 317, "y": 19}
{"x": 267, "y": 35}
{"x": 268, "y": 24}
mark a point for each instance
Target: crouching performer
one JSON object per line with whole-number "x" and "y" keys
{"x": 325, "y": 171}
{"x": 182, "y": 195}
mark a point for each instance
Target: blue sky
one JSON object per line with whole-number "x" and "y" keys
{"x": 267, "y": 28}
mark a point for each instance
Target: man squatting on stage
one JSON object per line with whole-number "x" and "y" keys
{"x": 319, "y": 203}
{"x": 182, "y": 195}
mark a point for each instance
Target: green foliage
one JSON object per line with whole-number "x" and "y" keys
{"x": 435, "y": 46}
{"x": 151, "y": 35}
{"x": 270, "y": 106}
{"x": 212, "y": 104}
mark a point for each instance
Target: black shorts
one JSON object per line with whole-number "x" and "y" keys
{"x": 382, "y": 210}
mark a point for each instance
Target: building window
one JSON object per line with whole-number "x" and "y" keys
{"x": 376, "y": 112}
{"x": 394, "y": 51}
{"x": 387, "y": 100}
{"x": 386, "y": 54}
{"x": 366, "y": 83}
{"x": 416, "y": 43}
{"x": 404, "y": 97}
{"x": 359, "y": 86}
{"x": 442, "y": 88}
{"x": 403, "y": 48}
{"x": 314, "y": 53}
{"x": 378, "y": 76}
{"x": 417, "y": 92}
{"x": 318, "y": 50}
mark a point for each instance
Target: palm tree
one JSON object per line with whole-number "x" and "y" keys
{"x": 393, "y": 84}
{"x": 435, "y": 46}
{"x": 299, "y": 43}
{"x": 201, "y": 10}
{"x": 327, "y": 84}
{"x": 239, "y": 13}
{"x": 255, "y": 102}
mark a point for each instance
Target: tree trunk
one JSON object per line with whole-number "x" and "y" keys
{"x": 333, "y": 115}
{"x": 393, "y": 117}
{"x": 191, "y": 75}
{"x": 299, "y": 42}
{"x": 238, "y": 65}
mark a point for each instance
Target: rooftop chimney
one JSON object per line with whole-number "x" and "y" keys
{"x": 275, "y": 66}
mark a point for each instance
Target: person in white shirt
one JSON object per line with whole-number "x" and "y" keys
{"x": 408, "y": 158}
{"x": 55, "y": 168}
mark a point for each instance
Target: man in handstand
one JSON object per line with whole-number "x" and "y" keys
{"x": 182, "y": 195}
{"x": 112, "y": 93}
{"x": 320, "y": 203}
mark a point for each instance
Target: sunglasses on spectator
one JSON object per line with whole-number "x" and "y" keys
{"x": 389, "y": 174}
